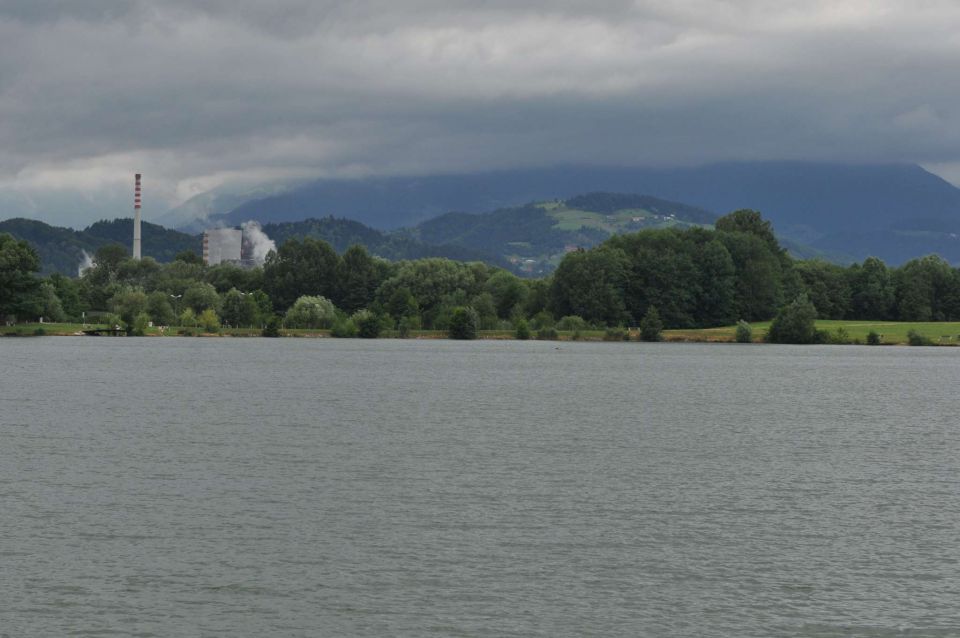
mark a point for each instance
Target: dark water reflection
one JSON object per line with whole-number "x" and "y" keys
{"x": 192, "y": 487}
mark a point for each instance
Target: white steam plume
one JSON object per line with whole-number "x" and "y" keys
{"x": 260, "y": 244}
{"x": 85, "y": 264}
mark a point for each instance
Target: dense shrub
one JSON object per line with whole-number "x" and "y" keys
{"x": 464, "y": 323}
{"x": 311, "y": 312}
{"x": 343, "y": 329}
{"x": 368, "y": 324}
{"x": 651, "y": 326}
{"x": 522, "y": 330}
{"x": 839, "y": 337}
{"x": 547, "y": 334}
{"x": 914, "y": 338}
{"x": 188, "y": 318}
{"x": 572, "y": 322}
{"x": 542, "y": 319}
{"x": 272, "y": 327}
{"x": 616, "y": 334}
{"x": 795, "y": 323}
{"x": 873, "y": 339}
{"x": 744, "y": 332}
{"x": 139, "y": 326}
{"x": 209, "y": 320}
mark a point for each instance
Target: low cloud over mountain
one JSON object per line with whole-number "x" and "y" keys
{"x": 197, "y": 94}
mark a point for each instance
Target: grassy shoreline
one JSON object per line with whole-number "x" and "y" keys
{"x": 891, "y": 332}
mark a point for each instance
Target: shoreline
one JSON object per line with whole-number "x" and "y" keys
{"x": 938, "y": 334}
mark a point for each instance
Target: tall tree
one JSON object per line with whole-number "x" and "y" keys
{"x": 759, "y": 275}
{"x": 20, "y": 293}
{"x": 299, "y": 268}
{"x": 239, "y": 309}
{"x": 927, "y": 290}
{"x": 872, "y": 290}
{"x": 507, "y": 290}
{"x": 68, "y": 291}
{"x": 662, "y": 273}
{"x": 827, "y": 285}
{"x": 590, "y": 284}
{"x": 200, "y": 296}
{"x": 751, "y": 222}
{"x": 357, "y": 280}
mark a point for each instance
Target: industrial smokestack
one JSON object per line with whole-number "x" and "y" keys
{"x": 136, "y": 217}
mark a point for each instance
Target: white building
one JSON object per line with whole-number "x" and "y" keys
{"x": 222, "y": 244}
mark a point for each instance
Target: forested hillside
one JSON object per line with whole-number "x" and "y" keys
{"x": 528, "y": 239}
{"x": 62, "y": 249}
{"x": 343, "y": 233}
{"x": 535, "y": 237}
{"x": 849, "y": 209}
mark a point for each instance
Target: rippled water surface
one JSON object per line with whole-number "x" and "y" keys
{"x": 294, "y": 487}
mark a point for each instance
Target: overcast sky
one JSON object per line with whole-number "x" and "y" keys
{"x": 197, "y": 93}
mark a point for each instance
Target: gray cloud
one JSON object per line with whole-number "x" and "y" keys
{"x": 195, "y": 93}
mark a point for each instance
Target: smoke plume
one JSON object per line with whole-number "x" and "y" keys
{"x": 85, "y": 264}
{"x": 260, "y": 244}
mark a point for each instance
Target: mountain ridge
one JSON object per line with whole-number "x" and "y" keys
{"x": 816, "y": 204}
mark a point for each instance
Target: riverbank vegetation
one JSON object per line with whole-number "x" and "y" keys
{"x": 835, "y": 332}
{"x": 672, "y": 284}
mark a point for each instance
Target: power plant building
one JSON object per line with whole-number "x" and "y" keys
{"x": 222, "y": 245}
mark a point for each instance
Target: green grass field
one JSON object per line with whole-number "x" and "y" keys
{"x": 573, "y": 219}
{"x": 891, "y": 332}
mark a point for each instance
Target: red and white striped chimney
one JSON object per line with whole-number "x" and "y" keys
{"x": 136, "y": 217}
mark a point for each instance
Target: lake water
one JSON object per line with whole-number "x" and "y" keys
{"x": 315, "y": 487}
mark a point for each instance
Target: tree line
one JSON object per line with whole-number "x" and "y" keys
{"x": 677, "y": 278}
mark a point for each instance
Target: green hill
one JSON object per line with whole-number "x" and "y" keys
{"x": 535, "y": 237}
{"x": 343, "y": 233}
{"x": 530, "y": 239}
{"x": 62, "y": 249}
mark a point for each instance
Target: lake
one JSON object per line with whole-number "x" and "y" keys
{"x": 320, "y": 487}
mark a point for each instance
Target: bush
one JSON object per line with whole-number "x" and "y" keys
{"x": 343, "y": 329}
{"x": 522, "y": 330}
{"x": 406, "y": 325}
{"x": 744, "y": 332}
{"x": 795, "y": 323}
{"x": 547, "y": 334}
{"x": 140, "y": 324}
{"x": 159, "y": 308}
{"x": 839, "y": 337}
{"x": 39, "y": 332}
{"x": 272, "y": 328}
{"x": 464, "y": 323}
{"x": 311, "y": 312}
{"x": 914, "y": 338}
{"x": 542, "y": 319}
{"x": 367, "y": 323}
{"x": 188, "y": 318}
{"x": 616, "y": 334}
{"x": 572, "y": 323}
{"x": 651, "y": 326}
{"x": 873, "y": 339}
{"x": 209, "y": 320}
